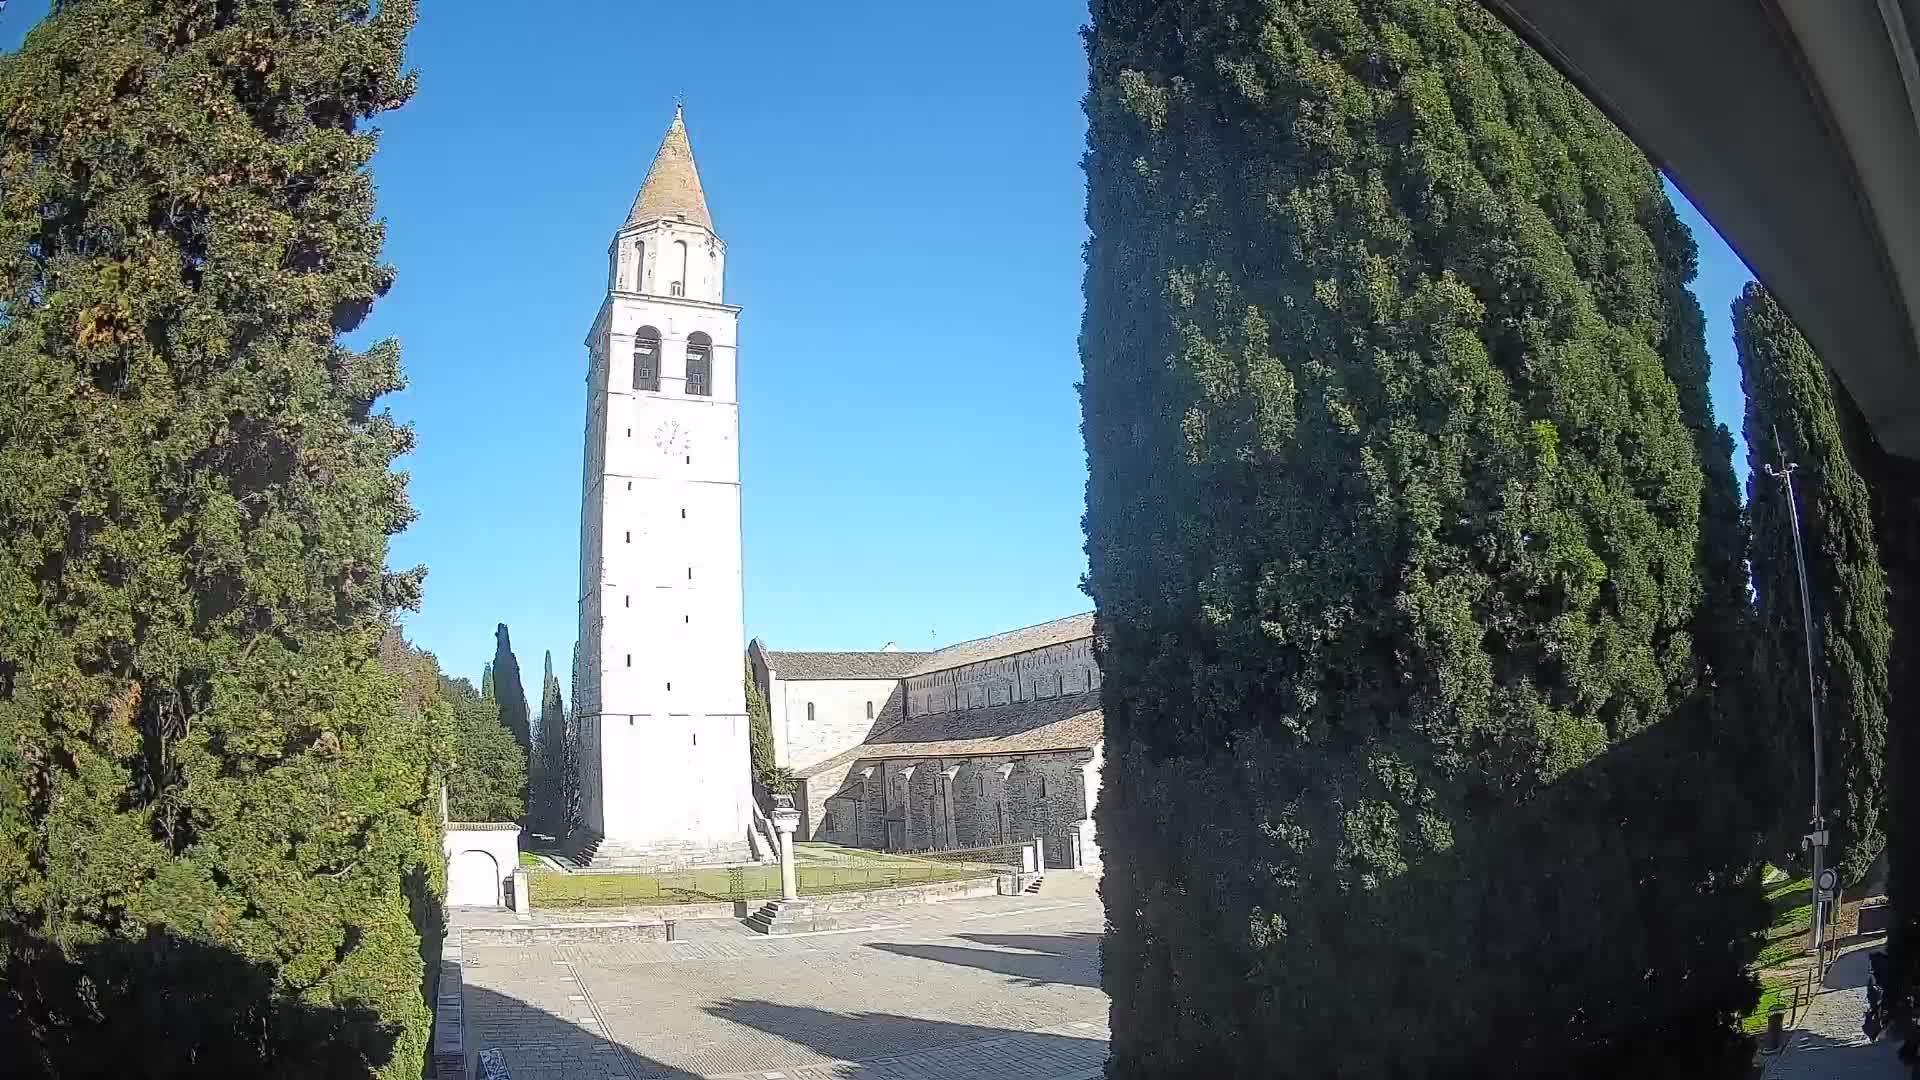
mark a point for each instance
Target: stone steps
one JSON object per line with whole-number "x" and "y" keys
{"x": 795, "y": 917}
{"x": 581, "y": 848}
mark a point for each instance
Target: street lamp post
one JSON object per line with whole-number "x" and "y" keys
{"x": 1818, "y": 838}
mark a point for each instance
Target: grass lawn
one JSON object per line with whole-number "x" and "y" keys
{"x": 533, "y": 862}
{"x": 822, "y": 853}
{"x": 1792, "y": 904}
{"x": 1791, "y": 900}
{"x": 1776, "y": 991}
{"x": 739, "y": 882}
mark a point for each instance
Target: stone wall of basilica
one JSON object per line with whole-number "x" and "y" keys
{"x": 1066, "y": 668}
{"x": 922, "y": 804}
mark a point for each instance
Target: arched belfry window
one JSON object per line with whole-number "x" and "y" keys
{"x": 646, "y": 359}
{"x": 699, "y": 364}
{"x": 639, "y": 265}
{"x": 680, "y": 260}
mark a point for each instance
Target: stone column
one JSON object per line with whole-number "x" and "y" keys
{"x": 785, "y": 820}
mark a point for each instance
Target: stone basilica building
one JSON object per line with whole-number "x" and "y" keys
{"x": 990, "y": 741}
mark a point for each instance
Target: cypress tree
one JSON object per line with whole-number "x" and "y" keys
{"x": 760, "y": 734}
{"x": 570, "y": 761}
{"x": 1894, "y": 485}
{"x": 486, "y": 683}
{"x": 1723, "y": 623}
{"x": 553, "y": 736}
{"x": 509, "y": 691}
{"x": 1395, "y": 504}
{"x": 210, "y": 789}
{"x": 1791, "y": 413}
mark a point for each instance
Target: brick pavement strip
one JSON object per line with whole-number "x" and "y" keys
{"x": 972, "y": 989}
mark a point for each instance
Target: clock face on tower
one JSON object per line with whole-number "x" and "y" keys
{"x": 672, "y": 439}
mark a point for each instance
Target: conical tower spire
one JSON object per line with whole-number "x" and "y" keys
{"x": 672, "y": 187}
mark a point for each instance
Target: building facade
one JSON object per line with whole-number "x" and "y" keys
{"x": 664, "y": 767}
{"x": 992, "y": 741}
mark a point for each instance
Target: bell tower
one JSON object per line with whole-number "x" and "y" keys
{"x": 664, "y": 769}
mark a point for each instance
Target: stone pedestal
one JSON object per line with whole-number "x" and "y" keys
{"x": 786, "y": 820}
{"x": 789, "y": 914}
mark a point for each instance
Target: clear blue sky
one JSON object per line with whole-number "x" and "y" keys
{"x": 900, "y": 192}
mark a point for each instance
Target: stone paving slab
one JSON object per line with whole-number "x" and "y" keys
{"x": 993, "y": 987}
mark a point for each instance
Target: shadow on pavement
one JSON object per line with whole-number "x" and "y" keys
{"x": 1813, "y": 1055}
{"x": 1849, "y": 972}
{"x": 541, "y": 1046}
{"x": 859, "y": 1036}
{"x": 538, "y": 1045}
{"x": 1072, "y": 958}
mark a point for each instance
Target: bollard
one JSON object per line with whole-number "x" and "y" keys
{"x": 1776, "y": 1030}
{"x": 670, "y": 930}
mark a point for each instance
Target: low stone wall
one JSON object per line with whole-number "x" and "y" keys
{"x": 588, "y": 926}
{"x": 580, "y": 933}
{"x": 449, "y": 1019}
{"x": 905, "y": 896}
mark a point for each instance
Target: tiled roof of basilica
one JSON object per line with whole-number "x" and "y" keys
{"x": 894, "y": 664}
{"x": 1073, "y": 722}
{"x": 843, "y": 665}
{"x": 1025, "y": 639}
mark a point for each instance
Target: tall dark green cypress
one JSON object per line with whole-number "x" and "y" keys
{"x": 551, "y": 802}
{"x": 214, "y": 804}
{"x": 1397, "y": 471}
{"x": 1723, "y": 623}
{"x": 1894, "y": 485}
{"x": 509, "y": 691}
{"x": 760, "y": 733}
{"x": 570, "y": 761}
{"x": 1791, "y": 414}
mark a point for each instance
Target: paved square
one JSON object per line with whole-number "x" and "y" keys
{"x": 1007, "y": 986}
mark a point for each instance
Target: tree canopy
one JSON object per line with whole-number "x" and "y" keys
{"x": 1791, "y": 418}
{"x": 486, "y": 769}
{"x": 550, "y": 803}
{"x": 1403, "y": 493}
{"x": 198, "y": 743}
